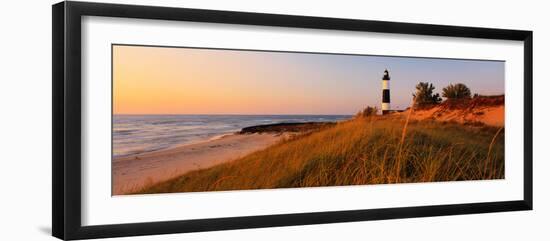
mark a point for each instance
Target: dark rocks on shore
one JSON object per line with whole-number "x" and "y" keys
{"x": 286, "y": 127}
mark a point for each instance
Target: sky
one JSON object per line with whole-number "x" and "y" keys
{"x": 169, "y": 80}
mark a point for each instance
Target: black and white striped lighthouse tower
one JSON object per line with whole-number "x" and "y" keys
{"x": 386, "y": 93}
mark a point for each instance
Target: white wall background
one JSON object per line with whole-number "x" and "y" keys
{"x": 25, "y": 122}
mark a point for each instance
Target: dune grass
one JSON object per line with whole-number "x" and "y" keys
{"x": 371, "y": 150}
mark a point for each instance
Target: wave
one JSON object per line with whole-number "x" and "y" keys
{"x": 138, "y": 134}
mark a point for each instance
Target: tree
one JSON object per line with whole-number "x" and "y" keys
{"x": 424, "y": 95}
{"x": 457, "y": 91}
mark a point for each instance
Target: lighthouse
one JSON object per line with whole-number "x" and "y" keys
{"x": 386, "y": 93}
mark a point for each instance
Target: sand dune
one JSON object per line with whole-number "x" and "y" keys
{"x": 487, "y": 110}
{"x": 135, "y": 171}
{"x": 492, "y": 115}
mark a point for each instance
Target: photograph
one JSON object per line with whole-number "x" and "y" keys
{"x": 192, "y": 119}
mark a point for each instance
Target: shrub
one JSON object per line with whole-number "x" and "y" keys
{"x": 457, "y": 91}
{"x": 368, "y": 111}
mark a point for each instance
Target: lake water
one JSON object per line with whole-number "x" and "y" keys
{"x": 143, "y": 133}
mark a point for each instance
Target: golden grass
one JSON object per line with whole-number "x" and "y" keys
{"x": 371, "y": 150}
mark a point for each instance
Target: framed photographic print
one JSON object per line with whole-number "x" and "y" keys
{"x": 170, "y": 120}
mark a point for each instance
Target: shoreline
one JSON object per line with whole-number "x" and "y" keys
{"x": 357, "y": 152}
{"x": 212, "y": 138}
{"x": 134, "y": 171}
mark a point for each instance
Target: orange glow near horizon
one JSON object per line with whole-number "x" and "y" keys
{"x": 200, "y": 81}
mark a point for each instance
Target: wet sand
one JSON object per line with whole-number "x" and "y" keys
{"x": 130, "y": 173}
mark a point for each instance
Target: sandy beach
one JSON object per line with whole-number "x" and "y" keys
{"x": 132, "y": 172}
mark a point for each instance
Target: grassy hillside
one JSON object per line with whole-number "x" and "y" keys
{"x": 361, "y": 151}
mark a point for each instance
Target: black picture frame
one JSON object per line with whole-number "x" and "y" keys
{"x": 66, "y": 127}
